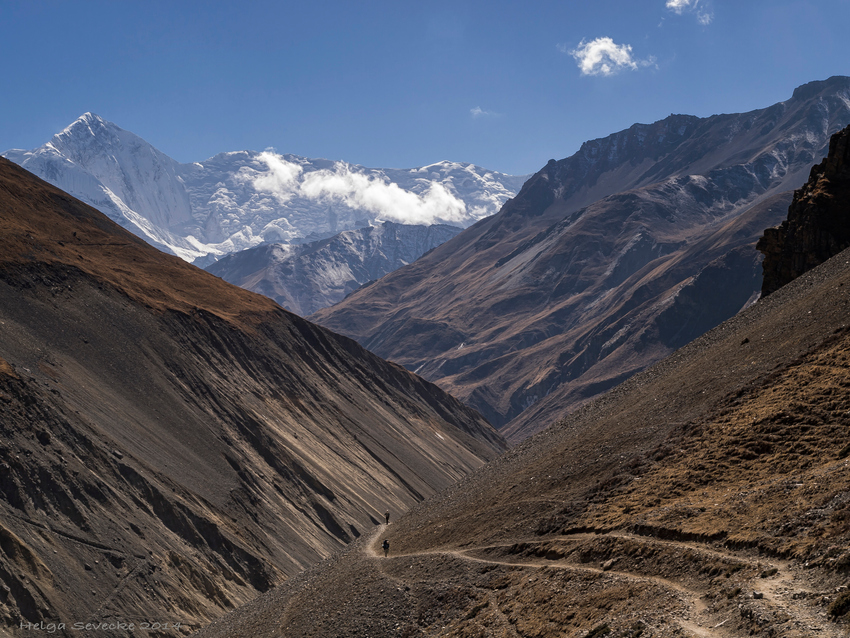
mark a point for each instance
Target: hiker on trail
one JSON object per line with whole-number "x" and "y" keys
{"x": 386, "y": 546}
{"x": 387, "y": 515}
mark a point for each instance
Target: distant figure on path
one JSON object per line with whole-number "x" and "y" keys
{"x": 386, "y": 546}
{"x": 388, "y": 517}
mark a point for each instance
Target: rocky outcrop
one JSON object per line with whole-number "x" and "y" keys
{"x": 818, "y": 223}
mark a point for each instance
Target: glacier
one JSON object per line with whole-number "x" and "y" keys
{"x": 202, "y": 211}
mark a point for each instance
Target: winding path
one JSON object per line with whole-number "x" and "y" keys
{"x": 698, "y": 620}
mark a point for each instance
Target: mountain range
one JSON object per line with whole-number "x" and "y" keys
{"x": 304, "y": 278}
{"x": 172, "y": 445}
{"x": 708, "y": 495}
{"x": 202, "y": 211}
{"x": 604, "y": 263}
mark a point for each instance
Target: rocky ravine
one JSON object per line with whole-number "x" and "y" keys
{"x": 173, "y": 445}
{"x": 604, "y": 263}
{"x": 705, "y": 496}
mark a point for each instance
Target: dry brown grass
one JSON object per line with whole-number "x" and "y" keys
{"x": 101, "y": 248}
{"x": 770, "y": 470}
{"x": 6, "y": 369}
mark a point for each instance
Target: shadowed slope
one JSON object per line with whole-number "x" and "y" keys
{"x": 172, "y": 444}
{"x": 655, "y": 510}
{"x": 567, "y": 290}
{"x": 307, "y": 277}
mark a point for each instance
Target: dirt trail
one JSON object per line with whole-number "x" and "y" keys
{"x": 780, "y": 593}
{"x": 690, "y": 599}
{"x": 786, "y": 591}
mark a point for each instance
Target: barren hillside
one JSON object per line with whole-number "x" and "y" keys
{"x": 173, "y": 445}
{"x": 604, "y": 263}
{"x": 706, "y": 496}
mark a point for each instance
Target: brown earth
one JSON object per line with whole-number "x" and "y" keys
{"x": 708, "y": 495}
{"x": 172, "y": 445}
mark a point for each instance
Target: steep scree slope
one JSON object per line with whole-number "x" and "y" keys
{"x": 171, "y": 444}
{"x": 705, "y": 496}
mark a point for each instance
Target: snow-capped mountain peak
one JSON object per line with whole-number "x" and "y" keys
{"x": 115, "y": 171}
{"x": 236, "y": 200}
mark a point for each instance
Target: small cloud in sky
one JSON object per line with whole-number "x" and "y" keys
{"x": 704, "y": 14}
{"x": 479, "y": 112}
{"x": 603, "y": 56}
{"x": 678, "y": 6}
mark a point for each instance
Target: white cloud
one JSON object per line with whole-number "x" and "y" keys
{"x": 375, "y": 195}
{"x": 603, "y": 56}
{"x": 678, "y": 6}
{"x": 281, "y": 178}
{"x": 387, "y": 201}
{"x": 704, "y": 15}
{"x": 479, "y": 112}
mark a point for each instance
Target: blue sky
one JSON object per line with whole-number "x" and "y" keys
{"x": 396, "y": 84}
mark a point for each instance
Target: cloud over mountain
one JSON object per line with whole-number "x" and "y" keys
{"x": 281, "y": 179}
{"x": 383, "y": 198}
{"x": 339, "y": 184}
{"x": 237, "y": 200}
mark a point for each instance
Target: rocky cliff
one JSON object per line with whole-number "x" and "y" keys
{"x": 818, "y": 223}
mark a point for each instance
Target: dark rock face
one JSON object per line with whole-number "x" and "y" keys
{"x": 818, "y": 224}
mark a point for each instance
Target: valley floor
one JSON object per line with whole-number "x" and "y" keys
{"x": 705, "y": 497}
{"x": 613, "y": 583}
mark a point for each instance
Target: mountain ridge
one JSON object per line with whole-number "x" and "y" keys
{"x": 173, "y": 445}
{"x": 599, "y": 241}
{"x": 235, "y": 200}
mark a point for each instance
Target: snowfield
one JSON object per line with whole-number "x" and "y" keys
{"x": 237, "y": 200}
